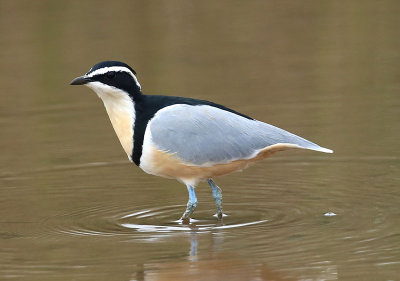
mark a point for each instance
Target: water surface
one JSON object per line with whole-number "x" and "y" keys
{"x": 73, "y": 208}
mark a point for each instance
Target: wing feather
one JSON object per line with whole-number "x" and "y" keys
{"x": 206, "y": 135}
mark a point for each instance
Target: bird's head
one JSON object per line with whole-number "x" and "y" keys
{"x": 112, "y": 78}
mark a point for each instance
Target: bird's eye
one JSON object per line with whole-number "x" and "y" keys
{"x": 110, "y": 74}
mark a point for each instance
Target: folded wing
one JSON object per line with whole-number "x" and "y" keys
{"x": 206, "y": 135}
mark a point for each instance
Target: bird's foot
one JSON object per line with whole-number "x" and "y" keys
{"x": 217, "y": 194}
{"x": 189, "y": 210}
{"x": 219, "y": 213}
{"x": 185, "y": 221}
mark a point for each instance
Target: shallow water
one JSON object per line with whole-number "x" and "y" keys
{"x": 73, "y": 208}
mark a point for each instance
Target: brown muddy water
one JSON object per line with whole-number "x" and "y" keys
{"x": 73, "y": 208}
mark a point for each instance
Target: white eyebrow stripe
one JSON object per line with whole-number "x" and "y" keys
{"x": 104, "y": 70}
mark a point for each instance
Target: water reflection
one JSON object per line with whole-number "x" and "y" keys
{"x": 200, "y": 266}
{"x": 222, "y": 265}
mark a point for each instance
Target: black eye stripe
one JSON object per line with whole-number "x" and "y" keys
{"x": 110, "y": 74}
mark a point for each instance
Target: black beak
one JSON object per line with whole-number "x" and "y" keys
{"x": 81, "y": 80}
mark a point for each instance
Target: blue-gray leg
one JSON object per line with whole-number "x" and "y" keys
{"x": 191, "y": 204}
{"x": 217, "y": 194}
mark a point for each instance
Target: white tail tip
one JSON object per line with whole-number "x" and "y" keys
{"x": 326, "y": 150}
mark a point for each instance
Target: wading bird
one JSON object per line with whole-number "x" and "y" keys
{"x": 186, "y": 139}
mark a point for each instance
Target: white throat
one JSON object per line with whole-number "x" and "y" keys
{"x": 121, "y": 111}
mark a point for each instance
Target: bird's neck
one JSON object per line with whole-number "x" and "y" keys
{"x": 121, "y": 111}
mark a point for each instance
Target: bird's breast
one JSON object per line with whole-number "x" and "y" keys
{"x": 121, "y": 112}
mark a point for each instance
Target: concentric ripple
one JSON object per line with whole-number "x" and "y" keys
{"x": 249, "y": 213}
{"x": 141, "y": 224}
{"x": 112, "y": 221}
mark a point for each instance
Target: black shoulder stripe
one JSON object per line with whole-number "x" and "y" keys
{"x": 147, "y": 106}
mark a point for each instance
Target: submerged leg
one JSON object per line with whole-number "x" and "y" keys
{"x": 191, "y": 204}
{"x": 217, "y": 194}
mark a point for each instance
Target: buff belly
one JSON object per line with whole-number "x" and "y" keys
{"x": 162, "y": 163}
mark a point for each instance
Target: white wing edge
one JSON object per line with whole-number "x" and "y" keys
{"x": 283, "y": 146}
{"x": 269, "y": 150}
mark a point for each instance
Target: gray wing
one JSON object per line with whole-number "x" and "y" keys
{"x": 203, "y": 134}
